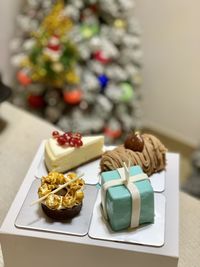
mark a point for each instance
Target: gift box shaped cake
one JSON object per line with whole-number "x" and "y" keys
{"x": 127, "y": 198}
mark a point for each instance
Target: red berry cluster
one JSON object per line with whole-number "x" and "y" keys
{"x": 68, "y": 139}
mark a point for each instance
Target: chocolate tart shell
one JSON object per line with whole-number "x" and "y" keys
{"x": 62, "y": 214}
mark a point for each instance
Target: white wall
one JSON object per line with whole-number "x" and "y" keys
{"x": 8, "y": 11}
{"x": 171, "y": 43}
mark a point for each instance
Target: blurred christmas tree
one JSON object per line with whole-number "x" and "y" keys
{"x": 78, "y": 64}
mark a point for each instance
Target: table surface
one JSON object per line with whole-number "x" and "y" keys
{"x": 20, "y": 136}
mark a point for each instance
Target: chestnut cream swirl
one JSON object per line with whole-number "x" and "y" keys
{"x": 152, "y": 159}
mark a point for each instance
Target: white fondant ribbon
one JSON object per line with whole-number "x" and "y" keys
{"x": 128, "y": 181}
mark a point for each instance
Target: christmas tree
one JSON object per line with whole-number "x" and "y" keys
{"x": 78, "y": 64}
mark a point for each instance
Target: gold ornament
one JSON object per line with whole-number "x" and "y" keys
{"x": 25, "y": 62}
{"x": 57, "y": 67}
{"x": 72, "y": 78}
{"x": 119, "y": 23}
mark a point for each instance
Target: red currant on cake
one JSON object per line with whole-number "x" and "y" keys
{"x": 61, "y": 140}
{"x": 67, "y": 136}
{"x": 77, "y": 135}
{"x": 55, "y": 134}
{"x": 79, "y": 142}
{"x": 68, "y": 139}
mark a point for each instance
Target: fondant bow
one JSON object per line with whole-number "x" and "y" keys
{"x": 127, "y": 180}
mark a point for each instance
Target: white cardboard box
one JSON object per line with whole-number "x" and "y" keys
{"x": 28, "y": 248}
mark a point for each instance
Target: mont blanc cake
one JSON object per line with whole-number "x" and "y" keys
{"x": 66, "y": 151}
{"x": 144, "y": 150}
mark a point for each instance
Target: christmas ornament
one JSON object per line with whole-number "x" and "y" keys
{"x": 103, "y": 80}
{"x": 73, "y": 97}
{"x": 112, "y": 133}
{"x": 23, "y": 78}
{"x": 72, "y": 78}
{"x": 127, "y": 92}
{"x": 101, "y": 57}
{"x": 113, "y": 129}
{"x": 57, "y": 67}
{"x": 54, "y": 43}
{"x": 36, "y": 101}
{"x": 88, "y": 31}
{"x": 119, "y": 23}
{"x": 53, "y": 49}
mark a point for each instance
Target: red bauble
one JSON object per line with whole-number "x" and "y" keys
{"x": 54, "y": 43}
{"x": 23, "y": 78}
{"x": 36, "y": 101}
{"x": 112, "y": 133}
{"x": 100, "y": 56}
{"x": 54, "y": 47}
{"x": 73, "y": 97}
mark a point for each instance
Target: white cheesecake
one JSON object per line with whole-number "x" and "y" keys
{"x": 61, "y": 159}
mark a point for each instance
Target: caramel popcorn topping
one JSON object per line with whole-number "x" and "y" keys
{"x": 74, "y": 191}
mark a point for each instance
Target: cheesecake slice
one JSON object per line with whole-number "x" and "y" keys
{"x": 61, "y": 159}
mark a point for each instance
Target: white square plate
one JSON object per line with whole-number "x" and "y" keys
{"x": 148, "y": 234}
{"x": 32, "y": 217}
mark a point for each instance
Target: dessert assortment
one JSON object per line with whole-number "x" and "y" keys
{"x": 127, "y": 196}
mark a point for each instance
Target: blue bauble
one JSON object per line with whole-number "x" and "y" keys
{"x": 103, "y": 80}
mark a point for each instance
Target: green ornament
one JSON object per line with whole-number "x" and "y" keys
{"x": 127, "y": 92}
{"x": 88, "y": 31}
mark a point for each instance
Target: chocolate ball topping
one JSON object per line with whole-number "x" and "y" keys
{"x": 134, "y": 142}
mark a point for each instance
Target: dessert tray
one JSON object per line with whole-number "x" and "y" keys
{"x": 91, "y": 172}
{"x": 89, "y": 221}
